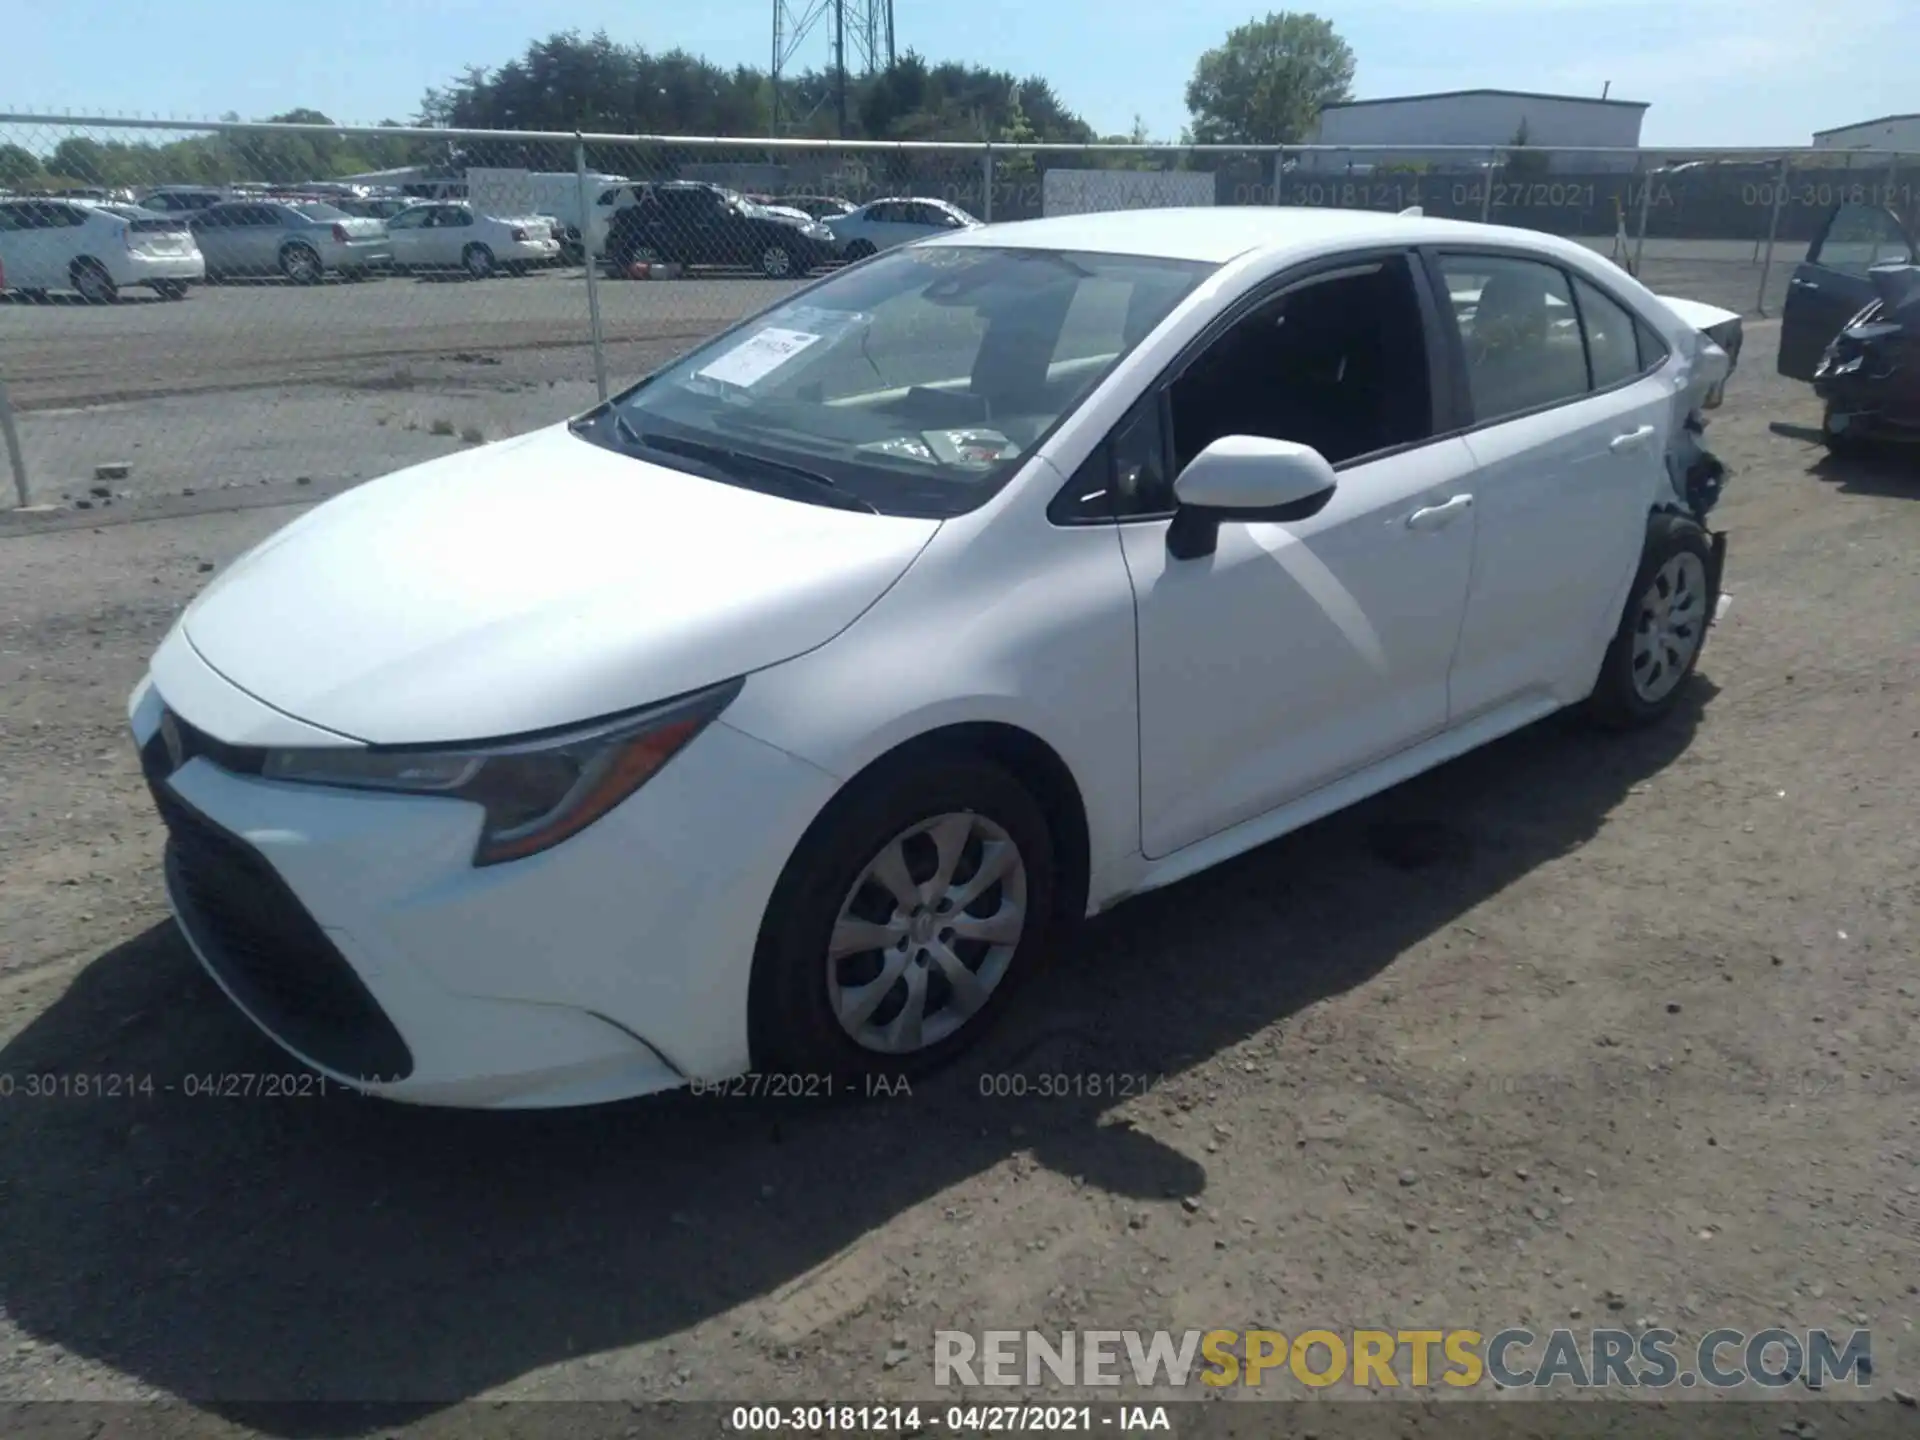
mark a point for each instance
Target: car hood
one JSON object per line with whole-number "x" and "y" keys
{"x": 535, "y": 583}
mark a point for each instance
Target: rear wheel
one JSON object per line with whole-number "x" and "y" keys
{"x": 91, "y": 279}
{"x": 301, "y": 264}
{"x": 478, "y": 261}
{"x": 1665, "y": 625}
{"x": 904, "y": 920}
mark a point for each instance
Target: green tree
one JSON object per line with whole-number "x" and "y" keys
{"x": 78, "y": 158}
{"x": 18, "y": 165}
{"x": 1268, "y": 81}
{"x": 1523, "y": 160}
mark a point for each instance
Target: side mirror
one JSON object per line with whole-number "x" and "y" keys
{"x": 1245, "y": 477}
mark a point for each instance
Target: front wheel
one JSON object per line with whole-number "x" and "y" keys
{"x": 1658, "y": 643}
{"x": 903, "y": 921}
{"x": 478, "y": 261}
{"x": 776, "y": 262}
{"x": 1841, "y": 437}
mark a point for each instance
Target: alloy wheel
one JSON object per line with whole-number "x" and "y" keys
{"x": 1670, "y": 624}
{"x": 927, "y": 933}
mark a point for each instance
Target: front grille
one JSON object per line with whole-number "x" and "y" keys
{"x": 266, "y": 948}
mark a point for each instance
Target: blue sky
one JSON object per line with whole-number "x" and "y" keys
{"x": 1717, "y": 72}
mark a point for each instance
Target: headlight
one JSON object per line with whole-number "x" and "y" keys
{"x": 537, "y": 791}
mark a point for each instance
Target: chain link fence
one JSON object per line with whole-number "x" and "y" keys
{"x": 185, "y": 307}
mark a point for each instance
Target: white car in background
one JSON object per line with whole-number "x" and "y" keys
{"x": 882, "y": 224}
{"x": 451, "y": 235}
{"x": 94, "y": 248}
{"x": 955, "y": 597}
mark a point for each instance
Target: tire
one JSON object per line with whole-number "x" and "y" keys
{"x": 1663, "y": 629}
{"x": 91, "y": 279}
{"x": 301, "y": 264}
{"x": 170, "y": 289}
{"x": 477, "y": 261}
{"x": 798, "y": 993}
{"x": 1840, "y": 443}
{"x": 859, "y": 250}
{"x": 777, "y": 262}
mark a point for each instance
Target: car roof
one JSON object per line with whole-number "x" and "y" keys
{"x": 1217, "y": 234}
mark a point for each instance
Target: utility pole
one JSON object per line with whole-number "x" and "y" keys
{"x": 840, "y": 64}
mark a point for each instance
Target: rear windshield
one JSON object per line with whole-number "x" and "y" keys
{"x": 319, "y": 210}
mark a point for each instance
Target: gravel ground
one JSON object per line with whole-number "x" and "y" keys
{"x": 1578, "y": 1026}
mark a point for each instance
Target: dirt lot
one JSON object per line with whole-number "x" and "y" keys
{"x": 1573, "y": 1018}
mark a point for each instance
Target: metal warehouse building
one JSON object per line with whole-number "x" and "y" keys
{"x": 1479, "y": 117}
{"x": 1889, "y": 132}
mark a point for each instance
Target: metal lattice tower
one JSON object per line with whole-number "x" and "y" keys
{"x": 861, "y": 41}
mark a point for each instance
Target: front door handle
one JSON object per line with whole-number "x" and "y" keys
{"x": 1632, "y": 440}
{"x": 1800, "y": 284}
{"x": 1436, "y": 517}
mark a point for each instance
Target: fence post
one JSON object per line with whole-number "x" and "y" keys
{"x": 986, "y": 184}
{"x": 1773, "y": 231}
{"x": 1640, "y": 239}
{"x": 12, "y": 436}
{"x": 1486, "y": 186}
{"x": 1279, "y": 173}
{"x": 586, "y": 258}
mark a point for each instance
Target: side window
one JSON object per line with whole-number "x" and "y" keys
{"x": 1125, "y": 477}
{"x": 607, "y": 197}
{"x": 1338, "y": 363}
{"x": 457, "y": 217}
{"x": 71, "y": 216}
{"x": 1653, "y": 349}
{"x": 1613, "y": 349}
{"x": 1518, "y": 331}
{"x": 1860, "y": 237}
{"x": 407, "y": 220}
{"x": 883, "y": 212}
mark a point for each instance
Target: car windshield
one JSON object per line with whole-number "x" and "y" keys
{"x": 912, "y": 384}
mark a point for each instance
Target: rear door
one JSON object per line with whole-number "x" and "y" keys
{"x": 25, "y": 259}
{"x": 1832, "y": 285}
{"x": 1567, "y": 423}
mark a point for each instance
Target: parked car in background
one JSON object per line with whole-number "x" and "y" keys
{"x": 1849, "y": 304}
{"x": 690, "y": 222}
{"x": 964, "y": 595}
{"x": 180, "y": 199}
{"x": 819, "y": 207}
{"x": 374, "y": 207}
{"x": 302, "y": 240}
{"x": 882, "y": 224}
{"x": 95, "y": 249}
{"x": 455, "y": 236}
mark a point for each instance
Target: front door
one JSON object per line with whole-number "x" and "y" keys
{"x": 1298, "y": 652}
{"x": 1832, "y": 284}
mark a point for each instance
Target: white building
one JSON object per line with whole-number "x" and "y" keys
{"x": 1890, "y": 132}
{"x": 1490, "y": 118}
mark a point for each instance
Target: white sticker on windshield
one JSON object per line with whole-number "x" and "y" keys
{"x": 753, "y": 359}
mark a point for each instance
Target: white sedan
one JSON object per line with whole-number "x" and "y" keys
{"x": 782, "y": 712}
{"x": 453, "y": 236}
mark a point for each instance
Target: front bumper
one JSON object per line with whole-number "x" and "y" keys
{"x": 353, "y": 929}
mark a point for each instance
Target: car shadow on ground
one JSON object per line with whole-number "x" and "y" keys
{"x": 1891, "y": 470}
{"x": 246, "y": 1252}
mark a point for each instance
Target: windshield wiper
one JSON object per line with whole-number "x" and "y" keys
{"x": 727, "y": 461}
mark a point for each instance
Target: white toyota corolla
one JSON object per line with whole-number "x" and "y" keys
{"x": 782, "y": 712}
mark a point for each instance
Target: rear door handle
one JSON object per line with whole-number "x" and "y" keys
{"x": 1632, "y": 440}
{"x": 1436, "y": 517}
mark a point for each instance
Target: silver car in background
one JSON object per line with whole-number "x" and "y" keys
{"x": 896, "y": 220}
{"x": 302, "y": 240}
